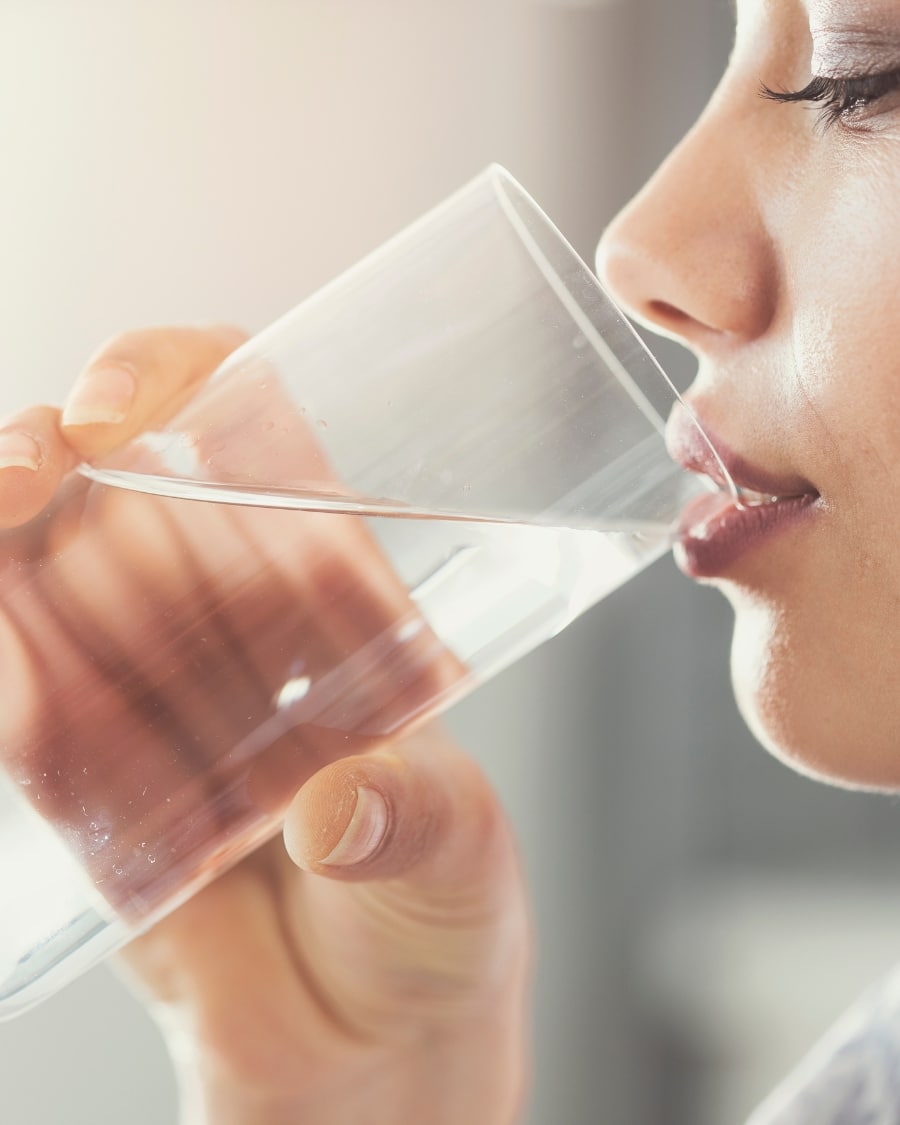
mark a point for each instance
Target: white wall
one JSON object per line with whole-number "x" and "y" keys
{"x": 183, "y": 161}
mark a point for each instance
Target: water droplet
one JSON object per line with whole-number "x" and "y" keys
{"x": 151, "y": 858}
{"x": 117, "y": 870}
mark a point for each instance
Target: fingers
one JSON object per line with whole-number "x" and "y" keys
{"x": 134, "y": 381}
{"x": 434, "y": 926}
{"x": 33, "y": 459}
{"x": 138, "y": 379}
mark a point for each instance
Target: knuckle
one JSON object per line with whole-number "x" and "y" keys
{"x": 132, "y": 349}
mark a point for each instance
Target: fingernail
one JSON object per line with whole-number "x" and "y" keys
{"x": 363, "y": 834}
{"x": 101, "y": 395}
{"x": 19, "y": 451}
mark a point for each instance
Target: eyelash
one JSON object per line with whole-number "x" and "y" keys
{"x": 840, "y": 98}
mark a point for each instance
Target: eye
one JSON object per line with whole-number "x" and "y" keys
{"x": 851, "y": 101}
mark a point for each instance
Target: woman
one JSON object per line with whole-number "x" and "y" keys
{"x": 390, "y": 986}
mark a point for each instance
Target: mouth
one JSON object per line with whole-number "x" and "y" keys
{"x": 715, "y": 531}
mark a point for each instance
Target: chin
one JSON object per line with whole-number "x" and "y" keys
{"x": 798, "y": 695}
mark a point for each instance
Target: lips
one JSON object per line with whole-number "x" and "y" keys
{"x": 715, "y": 531}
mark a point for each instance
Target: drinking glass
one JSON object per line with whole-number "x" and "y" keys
{"x": 421, "y": 473}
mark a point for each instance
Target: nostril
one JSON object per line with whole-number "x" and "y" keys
{"x": 670, "y": 316}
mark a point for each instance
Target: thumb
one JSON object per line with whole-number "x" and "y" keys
{"x": 420, "y": 914}
{"x": 420, "y": 811}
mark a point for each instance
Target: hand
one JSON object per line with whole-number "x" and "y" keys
{"x": 175, "y": 669}
{"x": 376, "y": 968}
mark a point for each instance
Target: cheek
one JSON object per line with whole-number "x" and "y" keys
{"x": 815, "y": 662}
{"x": 844, "y": 246}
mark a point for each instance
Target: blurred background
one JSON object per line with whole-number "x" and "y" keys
{"x": 702, "y": 913}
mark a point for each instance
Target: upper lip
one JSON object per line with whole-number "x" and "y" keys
{"x": 688, "y": 446}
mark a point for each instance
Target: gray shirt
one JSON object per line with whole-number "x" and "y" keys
{"x": 852, "y": 1076}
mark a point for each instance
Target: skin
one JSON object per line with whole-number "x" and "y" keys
{"x": 372, "y": 964}
{"x": 768, "y": 245}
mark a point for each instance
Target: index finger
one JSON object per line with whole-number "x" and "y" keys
{"x": 138, "y": 379}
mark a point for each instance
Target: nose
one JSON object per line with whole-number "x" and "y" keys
{"x": 690, "y": 256}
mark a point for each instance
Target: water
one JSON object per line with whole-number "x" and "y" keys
{"x": 178, "y": 666}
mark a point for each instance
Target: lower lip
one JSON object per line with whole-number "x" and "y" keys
{"x": 714, "y": 532}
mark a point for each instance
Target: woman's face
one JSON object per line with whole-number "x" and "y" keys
{"x": 769, "y": 243}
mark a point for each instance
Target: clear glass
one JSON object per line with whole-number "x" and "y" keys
{"x": 420, "y": 474}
